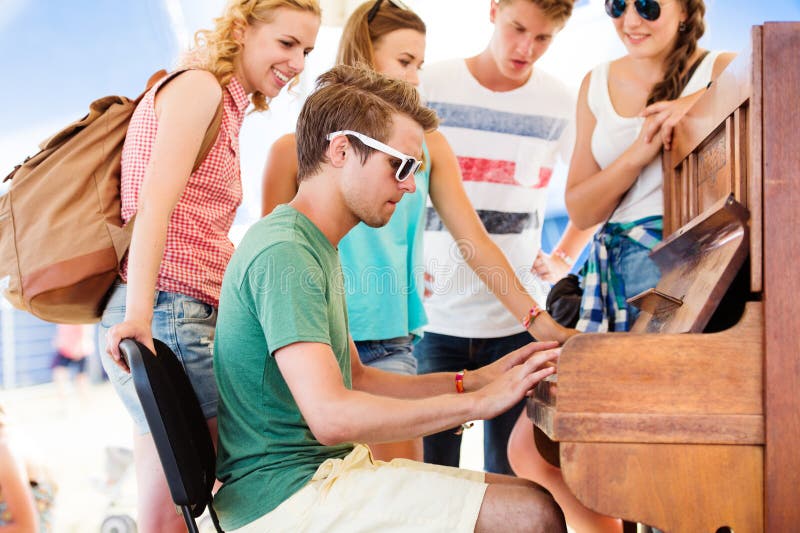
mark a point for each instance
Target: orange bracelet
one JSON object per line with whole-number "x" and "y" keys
{"x": 460, "y": 381}
{"x": 528, "y": 319}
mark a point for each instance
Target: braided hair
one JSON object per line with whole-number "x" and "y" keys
{"x": 689, "y": 33}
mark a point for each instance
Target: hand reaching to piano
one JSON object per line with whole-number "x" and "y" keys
{"x": 665, "y": 116}
{"x": 505, "y": 382}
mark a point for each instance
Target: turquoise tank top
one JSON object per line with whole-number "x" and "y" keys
{"x": 384, "y": 269}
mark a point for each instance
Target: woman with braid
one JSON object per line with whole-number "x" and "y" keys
{"x": 627, "y": 109}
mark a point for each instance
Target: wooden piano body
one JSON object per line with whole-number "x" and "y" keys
{"x": 672, "y": 425}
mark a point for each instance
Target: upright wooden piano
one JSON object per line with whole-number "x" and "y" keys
{"x": 691, "y": 422}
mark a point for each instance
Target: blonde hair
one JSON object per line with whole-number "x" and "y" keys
{"x": 359, "y": 35}
{"x": 359, "y": 99}
{"x": 556, "y": 10}
{"x": 216, "y": 50}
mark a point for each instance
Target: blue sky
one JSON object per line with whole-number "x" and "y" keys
{"x": 57, "y": 56}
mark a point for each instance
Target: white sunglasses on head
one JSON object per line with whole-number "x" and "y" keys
{"x": 408, "y": 165}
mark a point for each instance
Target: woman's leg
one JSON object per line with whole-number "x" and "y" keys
{"x": 528, "y": 463}
{"x": 155, "y": 510}
{"x": 497, "y": 431}
{"x": 396, "y": 356}
{"x": 407, "y": 449}
{"x": 443, "y": 353}
{"x": 186, "y": 325}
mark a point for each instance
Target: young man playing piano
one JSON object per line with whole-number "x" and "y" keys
{"x": 294, "y": 396}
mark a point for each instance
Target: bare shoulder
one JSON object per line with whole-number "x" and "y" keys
{"x": 441, "y": 153}
{"x": 285, "y": 143}
{"x": 584, "y": 89}
{"x": 435, "y": 140}
{"x": 721, "y": 62}
{"x": 199, "y": 81}
{"x": 195, "y": 89}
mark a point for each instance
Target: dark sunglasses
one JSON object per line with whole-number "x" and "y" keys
{"x": 647, "y": 9}
{"x": 374, "y": 9}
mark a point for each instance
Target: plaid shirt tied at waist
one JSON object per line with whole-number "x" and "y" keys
{"x": 603, "y": 307}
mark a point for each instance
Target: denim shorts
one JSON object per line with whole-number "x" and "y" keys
{"x": 631, "y": 261}
{"x": 392, "y": 355}
{"x": 183, "y": 323}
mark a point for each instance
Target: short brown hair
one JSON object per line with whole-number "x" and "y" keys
{"x": 556, "y": 10}
{"x": 357, "y": 45}
{"x": 354, "y": 98}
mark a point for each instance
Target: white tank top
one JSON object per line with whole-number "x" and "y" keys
{"x": 613, "y": 134}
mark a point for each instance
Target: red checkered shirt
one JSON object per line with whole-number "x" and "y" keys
{"x": 197, "y": 247}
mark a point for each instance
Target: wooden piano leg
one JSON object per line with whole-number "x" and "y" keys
{"x": 674, "y": 487}
{"x": 548, "y": 449}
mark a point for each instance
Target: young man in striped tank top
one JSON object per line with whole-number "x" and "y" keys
{"x": 507, "y": 121}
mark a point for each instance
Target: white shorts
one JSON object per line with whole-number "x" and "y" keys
{"x": 359, "y": 494}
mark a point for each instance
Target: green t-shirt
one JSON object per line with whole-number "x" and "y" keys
{"x": 283, "y": 285}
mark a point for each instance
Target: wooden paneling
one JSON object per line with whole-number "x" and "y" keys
{"x": 755, "y": 165}
{"x": 710, "y": 486}
{"x": 781, "y": 164}
{"x": 714, "y": 153}
{"x": 693, "y": 432}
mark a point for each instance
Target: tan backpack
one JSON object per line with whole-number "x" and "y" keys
{"x": 61, "y": 233}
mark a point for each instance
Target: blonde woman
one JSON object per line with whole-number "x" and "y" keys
{"x": 384, "y": 267}
{"x": 170, "y": 284}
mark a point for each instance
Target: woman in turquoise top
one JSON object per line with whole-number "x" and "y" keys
{"x": 383, "y": 275}
{"x": 384, "y": 267}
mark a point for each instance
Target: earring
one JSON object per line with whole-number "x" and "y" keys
{"x": 682, "y": 27}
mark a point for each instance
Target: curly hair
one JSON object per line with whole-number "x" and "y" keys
{"x": 359, "y": 35}
{"x": 671, "y": 86}
{"x": 216, "y": 50}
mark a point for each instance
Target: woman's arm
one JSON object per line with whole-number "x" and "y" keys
{"x": 456, "y": 211}
{"x": 557, "y": 264}
{"x": 592, "y": 193}
{"x": 667, "y": 114}
{"x": 16, "y": 491}
{"x": 184, "y": 109}
{"x": 279, "y": 182}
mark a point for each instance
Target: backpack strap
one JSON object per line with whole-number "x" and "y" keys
{"x": 211, "y": 136}
{"x": 208, "y": 141}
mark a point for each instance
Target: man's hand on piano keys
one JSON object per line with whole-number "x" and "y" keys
{"x": 506, "y": 381}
